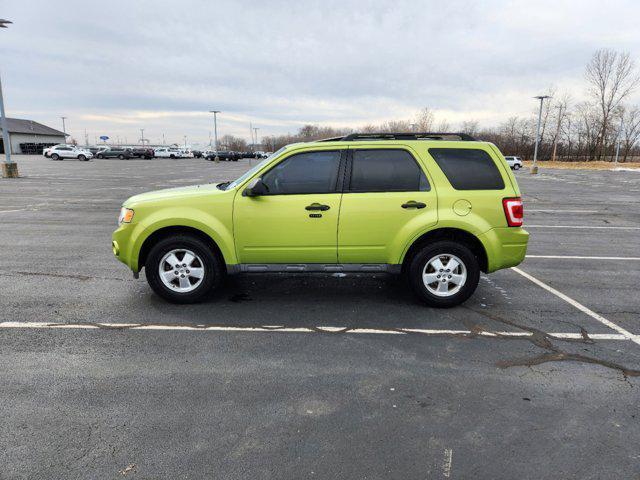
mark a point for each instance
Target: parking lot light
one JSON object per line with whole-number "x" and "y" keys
{"x": 534, "y": 167}
{"x": 9, "y": 167}
{"x": 215, "y": 133}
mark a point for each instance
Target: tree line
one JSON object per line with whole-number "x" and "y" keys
{"x": 585, "y": 130}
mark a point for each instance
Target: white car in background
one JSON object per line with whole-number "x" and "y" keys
{"x": 58, "y": 152}
{"x": 168, "y": 152}
{"x": 186, "y": 153}
{"x": 514, "y": 162}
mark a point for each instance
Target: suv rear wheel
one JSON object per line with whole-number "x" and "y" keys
{"x": 444, "y": 274}
{"x": 55, "y": 156}
{"x": 183, "y": 269}
{"x": 82, "y": 158}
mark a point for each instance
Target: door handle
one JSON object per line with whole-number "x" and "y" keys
{"x": 414, "y": 204}
{"x": 317, "y": 206}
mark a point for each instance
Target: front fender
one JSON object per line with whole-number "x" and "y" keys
{"x": 218, "y": 230}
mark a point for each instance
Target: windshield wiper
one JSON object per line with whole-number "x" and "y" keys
{"x": 222, "y": 185}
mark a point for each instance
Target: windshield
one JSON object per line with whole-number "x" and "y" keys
{"x": 253, "y": 170}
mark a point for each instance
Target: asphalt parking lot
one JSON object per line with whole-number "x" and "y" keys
{"x": 315, "y": 376}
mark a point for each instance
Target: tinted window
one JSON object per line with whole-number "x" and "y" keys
{"x": 386, "y": 171}
{"x": 468, "y": 168}
{"x": 311, "y": 172}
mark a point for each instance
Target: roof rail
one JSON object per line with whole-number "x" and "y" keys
{"x": 403, "y": 136}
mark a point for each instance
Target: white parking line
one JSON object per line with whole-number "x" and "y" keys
{"x": 579, "y": 306}
{"x": 16, "y": 210}
{"x": 281, "y": 329}
{"x": 527, "y": 210}
{"x": 587, "y": 227}
{"x": 577, "y": 257}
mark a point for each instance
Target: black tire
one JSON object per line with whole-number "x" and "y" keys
{"x": 121, "y": 157}
{"x": 55, "y": 157}
{"x": 516, "y": 167}
{"x": 172, "y": 156}
{"x": 100, "y": 155}
{"x": 212, "y": 264}
{"x": 444, "y": 247}
{"x": 82, "y": 158}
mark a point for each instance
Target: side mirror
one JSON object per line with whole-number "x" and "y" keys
{"x": 256, "y": 188}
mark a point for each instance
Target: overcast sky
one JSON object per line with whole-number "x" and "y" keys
{"x": 117, "y": 66}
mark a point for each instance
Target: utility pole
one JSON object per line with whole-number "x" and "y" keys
{"x": 215, "y": 133}
{"x": 256, "y": 130}
{"x": 86, "y": 138}
{"x": 555, "y": 139}
{"x": 251, "y": 135}
{"x": 163, "y": 142}
{"x": 534, "y": 167}
{"x": 9, "y": 167}
{"x": 618, "y": 140}
{"x": 142, "y": 136}
{"x": 64, "y": 128}
{"x": 185, "y": 141}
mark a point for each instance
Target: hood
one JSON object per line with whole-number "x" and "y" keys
{"x": 170, "y": 193}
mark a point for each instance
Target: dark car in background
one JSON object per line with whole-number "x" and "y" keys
{"x": 223, "y": 155}
{"x": 116, "y": 152}
{"x": 142, "y": 152}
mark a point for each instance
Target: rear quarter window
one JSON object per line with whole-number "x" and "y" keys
{"x": 468, "y": 168}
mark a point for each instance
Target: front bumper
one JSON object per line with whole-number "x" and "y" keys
{"x": 122, "y": 245}
{"x": 505, "y": 246}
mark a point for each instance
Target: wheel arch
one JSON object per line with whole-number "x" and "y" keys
{"x": 168, "y": 231}
{"x": 453, "y": 234}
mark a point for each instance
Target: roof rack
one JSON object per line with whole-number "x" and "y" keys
{"x": 402, "y": 136}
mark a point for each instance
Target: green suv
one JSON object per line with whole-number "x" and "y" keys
{"x": 439, "y": 208}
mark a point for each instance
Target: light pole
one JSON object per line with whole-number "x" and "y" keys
{"x": 256, "y": 130}
{"x": 185, "y": 141}
{"x": 9, "y": 167}
{"x": 534, "y": 167}
{"x": 142, "y": 136}
{"x": 618, "y": 140}
{"x": 64, "y": 128}
{"x": 555, "y": 139}
{"x": 215, "y": 133}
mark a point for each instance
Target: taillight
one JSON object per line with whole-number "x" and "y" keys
{"x": 513, "y": 211}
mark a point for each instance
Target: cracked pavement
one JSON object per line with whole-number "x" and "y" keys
{"x": 327, "y": 403}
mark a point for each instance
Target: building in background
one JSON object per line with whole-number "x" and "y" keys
{"x": 27, "y": 136}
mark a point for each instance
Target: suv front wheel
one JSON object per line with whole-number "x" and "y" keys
{"x": 444, "y": 274}
{"x": 183, "y": 269}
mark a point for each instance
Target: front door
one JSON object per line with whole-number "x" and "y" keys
{"x": 297, "y": 221}
{"x": 387, "y": 198}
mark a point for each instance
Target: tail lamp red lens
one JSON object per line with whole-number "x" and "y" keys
{"x": 513, "y": 211}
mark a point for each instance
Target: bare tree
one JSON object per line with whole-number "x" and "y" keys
{"x": 470, "y": 127}
{"x": 424, "y": 120}
{"x": 630, "y": 130}
{"x": 612, "y": 77}
{"x": 230, "y": 142}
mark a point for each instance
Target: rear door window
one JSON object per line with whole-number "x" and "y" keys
{"x": 468, "y": 168}
{"x": 386, "y": 170}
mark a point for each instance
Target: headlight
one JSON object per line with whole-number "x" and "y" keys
{"x": 126, "y": 215}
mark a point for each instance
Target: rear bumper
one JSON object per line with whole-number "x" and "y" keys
{"x": 506, "y": 247}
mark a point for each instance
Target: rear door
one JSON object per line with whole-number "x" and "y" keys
{"x": 65, "y": 152}
{"x": 387, "y": 197}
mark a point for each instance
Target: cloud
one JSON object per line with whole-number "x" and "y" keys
{"x": 161, "y": 65}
